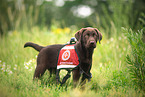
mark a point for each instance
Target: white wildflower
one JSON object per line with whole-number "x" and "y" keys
{"x": 117, "y": 46}
{"x": 8, "y": 66}
{"x": 120, "y": 55}
{"x": 101, "y": 64}
{"x": 15, "y": 68}
{"x": 26, "y": 67}
{"x": 125, "y": 37}
{"x": 29, "y": 65}
{"x": 119, "y": 38}
{"x": 4, "y": 63}
{"x": 30, "y": 61}
{"x": 124, "y": 49}
{"x": 10, "y": 72}
{"x": 33, "y": 60}
{"x": 2, "y": 68}
{"x": 30, "y": 69}
{"x": 15, "y": 65}
{"x": 111, "y": 39}
{"x": 108, "y": 42}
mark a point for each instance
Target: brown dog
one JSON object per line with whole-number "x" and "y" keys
{"x": 47, "y": 58}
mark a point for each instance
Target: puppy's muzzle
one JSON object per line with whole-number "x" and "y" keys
{"x": 92, "y": 43}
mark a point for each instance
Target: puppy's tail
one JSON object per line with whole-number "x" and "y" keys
{"x": 33, "y": 45}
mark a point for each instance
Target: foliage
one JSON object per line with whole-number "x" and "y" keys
{"x": 114, "y": 14}
{"x": 25, "y": 14}
{"x": 16, "y": 15}
{"x": 137, "y": 57}
{"x": 17, "y": 65}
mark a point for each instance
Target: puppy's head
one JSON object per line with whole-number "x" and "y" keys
{"x": 88, "y": 37}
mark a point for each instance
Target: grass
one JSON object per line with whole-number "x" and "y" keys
{"x": 110, "y": 72}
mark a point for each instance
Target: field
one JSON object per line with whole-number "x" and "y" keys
{"x": 110, "y": 70}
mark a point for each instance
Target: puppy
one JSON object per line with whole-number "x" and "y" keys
{"x": 87, "y": 39}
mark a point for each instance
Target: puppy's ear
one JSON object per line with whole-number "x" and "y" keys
{"x": 79, "y": 34}
{"x": 99, "y": 35}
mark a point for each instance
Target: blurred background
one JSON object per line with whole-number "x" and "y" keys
{"x": 18, "y": 15}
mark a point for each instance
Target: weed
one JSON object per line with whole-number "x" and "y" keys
{"x": 137, "y": 58}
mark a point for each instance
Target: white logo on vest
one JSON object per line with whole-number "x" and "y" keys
{"x": 66, "y": 55}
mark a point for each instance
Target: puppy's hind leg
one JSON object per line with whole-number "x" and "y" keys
{"x": 52, "y": 71}
{"x": 39, "y": 71}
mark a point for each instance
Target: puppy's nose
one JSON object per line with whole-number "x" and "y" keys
{"x": 92, "y": 42}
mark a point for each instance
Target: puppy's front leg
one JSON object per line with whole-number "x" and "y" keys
{"x": 57, "y": 77}
{"x": 76, "y": 77}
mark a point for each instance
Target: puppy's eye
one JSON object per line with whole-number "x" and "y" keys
{"x": 87, "y": 35}
{"x": 94, "y": 34}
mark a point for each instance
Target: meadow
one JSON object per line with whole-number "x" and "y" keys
{"x": 110, "y": 71}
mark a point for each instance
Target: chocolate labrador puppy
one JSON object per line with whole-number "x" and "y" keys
{"x": 87, "y": 39}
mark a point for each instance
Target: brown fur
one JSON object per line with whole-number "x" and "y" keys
{"x": 47, "y": 57}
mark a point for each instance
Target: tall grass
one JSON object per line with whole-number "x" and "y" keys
{"x": 17, "y": 15}
{"x": 137, "y": 58}
{"x": 110, "y": 73}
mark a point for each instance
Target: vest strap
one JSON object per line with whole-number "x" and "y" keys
{"x": 65, "y": 77}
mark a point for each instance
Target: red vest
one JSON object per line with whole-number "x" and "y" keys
{"x": 68, "y": 58}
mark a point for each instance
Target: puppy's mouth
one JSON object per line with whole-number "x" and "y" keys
{"x": 92, "y": 44}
